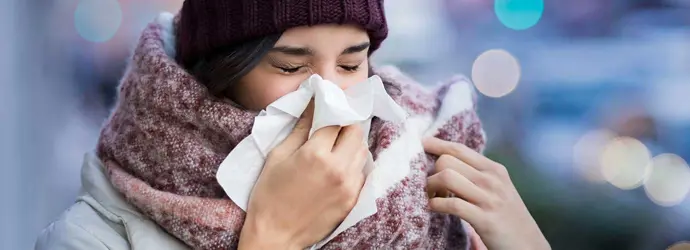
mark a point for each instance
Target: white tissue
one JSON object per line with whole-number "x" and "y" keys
{"x": 239, "y": 171}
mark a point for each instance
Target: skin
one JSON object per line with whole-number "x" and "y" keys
{"x": 292, "y": 210}
{"x": 288, "y": 210}
{"x": 475, "y": 188}
{"x": 336, "y": 52}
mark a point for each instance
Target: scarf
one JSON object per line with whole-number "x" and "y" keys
{"x": 166, "y": 137}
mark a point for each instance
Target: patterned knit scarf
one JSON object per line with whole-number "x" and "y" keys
{"x": 167, "y": 135}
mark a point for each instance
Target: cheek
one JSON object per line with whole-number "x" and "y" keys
{"x": 352, "y": 79}
{"x": 278, "y": 89}
{"x": 260, "y": 88}
{"x": 275, "y": 87}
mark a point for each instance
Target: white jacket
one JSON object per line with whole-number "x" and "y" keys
{"x": 101, "y": 219}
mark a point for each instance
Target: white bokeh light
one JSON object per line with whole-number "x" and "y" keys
{"x": 625, "y": 162}
{"x": 587, "y": 153}
{"x": 173, "y": 6}
{"x": 98, "y": 20}
{"x": 496, "y": 73}
{"x": 683, "y": 245}
{"x": 668, "y": 183}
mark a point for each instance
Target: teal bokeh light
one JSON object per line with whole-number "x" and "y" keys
{"x": 98, "y": 20}
{"x": 519, "y": 14}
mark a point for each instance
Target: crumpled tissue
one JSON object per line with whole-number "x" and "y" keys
{"x": 240, "y": 170}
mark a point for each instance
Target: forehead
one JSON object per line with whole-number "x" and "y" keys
{"x": 323, "y": 37}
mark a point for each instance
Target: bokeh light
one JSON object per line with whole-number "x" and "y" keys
{"x": 519, "y": 14}
{"x": 668, "y": 183}
{"x": 625, "y": 162}
{"x": 496, "y": 73}
{"x": 684, "y": 245}
{"x": 144, "y": 12}
{"x": 172, "y": 6}
{"x": 587, "y": 153}
{"x": 140, "y": 14}
{"x": 98, "y": 20}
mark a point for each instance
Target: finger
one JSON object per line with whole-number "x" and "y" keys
{"x": 436, "y": 189}
{"x": 349, "y": 141}
{"x": 457, "y": 207}
{"x": 300, "y": 133}
{"x": 356, "y": 157}
{"x": 433, "y": 193}
{"x": 457, "y": 184}
{"x": 324, "y": 138}
{"x": 361, "y": 178}
{"x": 358, "y": 177}
{"x": 437, "y": 146}
{"x": 481, "y": 179}
{"x": 449, "y": 162}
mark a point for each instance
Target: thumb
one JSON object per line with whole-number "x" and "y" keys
{"x": 300, "y": 133}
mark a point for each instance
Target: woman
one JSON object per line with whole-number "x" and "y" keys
{"x": 189, "y": 96}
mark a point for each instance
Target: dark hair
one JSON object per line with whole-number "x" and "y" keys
{"x": 226, "y": 67}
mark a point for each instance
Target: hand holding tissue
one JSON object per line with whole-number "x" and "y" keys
{"x": 240, "y": 170}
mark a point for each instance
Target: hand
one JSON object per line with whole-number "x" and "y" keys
{"x": 307, "y": 187}
{"x": 484, "y": 196}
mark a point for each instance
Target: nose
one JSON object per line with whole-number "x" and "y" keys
{"x": 329, "y": 73}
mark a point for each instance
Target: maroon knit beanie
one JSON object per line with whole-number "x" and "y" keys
{"x": 206, "y": 26}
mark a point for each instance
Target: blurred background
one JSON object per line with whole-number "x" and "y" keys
{"x": 586, "y": 102}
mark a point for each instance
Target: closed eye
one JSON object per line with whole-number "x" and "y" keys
{"x": 289, "y": 70}
{"x": 350, "y": 68}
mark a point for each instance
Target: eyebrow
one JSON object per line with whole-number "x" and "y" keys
{"x": 356, "y": 49}
{"x": 294, "y": 51}
{"x": 303, "y": 51}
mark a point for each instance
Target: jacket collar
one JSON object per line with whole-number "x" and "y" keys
{"x": 141, "y": 232}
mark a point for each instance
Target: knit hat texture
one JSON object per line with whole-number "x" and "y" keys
{"x": 206, "y": 26}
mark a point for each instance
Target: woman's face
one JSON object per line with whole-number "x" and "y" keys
{"x": 336, "y": 52}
